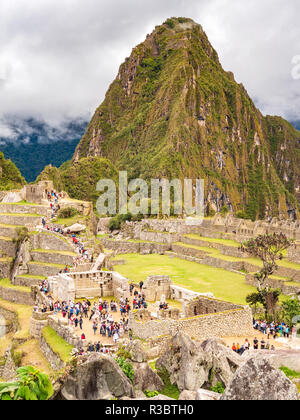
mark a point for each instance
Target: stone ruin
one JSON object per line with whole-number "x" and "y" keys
{"x": 90, "y": 284}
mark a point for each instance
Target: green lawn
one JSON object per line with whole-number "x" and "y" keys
{"x": 197, "y": 277}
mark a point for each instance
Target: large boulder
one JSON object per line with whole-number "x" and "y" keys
{"x": 277, "y": 358}
{"x": 258, "y": 380}
{"x": 187, "y": 396}
{"x": 192, "y": 365}
{"x": 204, "y": 395}
{"x": 76, "y": 228}
{"x": 223, "y": 361}
{"x": 97, "y": 378}
{"x": 137, "y": 352}
{"x": 146, "y": 379}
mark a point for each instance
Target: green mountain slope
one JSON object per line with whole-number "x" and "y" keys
{"x": 10, "y": 176}
{"x": 80, "y": 179}
{"x": 172, "y": 111}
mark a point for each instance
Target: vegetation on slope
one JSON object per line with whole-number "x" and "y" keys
{"x": 10, "y": 176}
{"x": 80, "y": 180}
{"x": 174, "y": 112}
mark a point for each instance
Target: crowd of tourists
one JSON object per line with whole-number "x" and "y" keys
{"x": 53, "y": 198}
{"x": 100, "y": 315}
{"x": 272, "y": 330}
{"x": 240, "y": 349}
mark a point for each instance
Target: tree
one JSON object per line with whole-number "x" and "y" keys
{"x": 268, "y": 298}
{"x": 31, "y": 385}
{"x": 268, "y": 248}
{"x": 290, "y": 309}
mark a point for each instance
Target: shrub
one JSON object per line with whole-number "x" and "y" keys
{"x": 67, "y": 213}
{"x": 117, "y": 221}
{"x": 31, "y": 385}
{"x": 170, "y": 23}
{"x": 126, "y": 367}
{"x": 241, "y": 214}
{"x": 224, "y": 211}
{"x": 218, "y": 388}
{"x": 151, "y": 394}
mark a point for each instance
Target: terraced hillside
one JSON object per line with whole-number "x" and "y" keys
{"x": 200, "y": 263}
{"x": 44, "y": 254}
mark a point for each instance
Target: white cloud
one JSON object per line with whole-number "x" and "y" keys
{"x": 58, "y": 57}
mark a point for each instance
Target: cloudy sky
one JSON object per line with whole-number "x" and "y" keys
{"x": 58, "y": 57}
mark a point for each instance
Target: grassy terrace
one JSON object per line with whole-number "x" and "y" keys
{"x": 58, "y": 345}
{"x": 51, "y": 251}
{"x": 197, "y": 277}
{"x": 30, "y": 276}
{"x": 255, "y": 261}
{"x": 21, "y": 214}
{"x": 25, "y": 203}
{"x": 46, "y": 264}
{"x": 3, "y": 225}
{"x": 227, "y": 242}
{"x": 7, "y": 284}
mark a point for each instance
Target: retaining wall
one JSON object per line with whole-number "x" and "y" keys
{"x": 226, "y": 324}
{"x": 16, "y": 296}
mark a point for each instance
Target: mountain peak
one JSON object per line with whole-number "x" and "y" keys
{"x": 173, "y": 111}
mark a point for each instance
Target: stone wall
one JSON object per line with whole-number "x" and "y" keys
{"x": 236, "y": 322}
{"x": 231, "y": 251}
{"x": 63, "y": 287}
{"x": 179, "y": 293}
{"x": 205, "y": 305}
{"x": 7, "y": 248}
{"x": 126, "y": 247}
{"x": 164, "y": 238}
{"x": 53, "y": 358}
{"x": 18, "y": 208}
{"x": 51, "y": 257}
{"x": 60, "y": 326}
{"x": 43, "y": 269}
{"x": 5, "y": 267}
{"x": 293, "y": 253}
{"x": 156, "y": 286}
{"x": 16, "y": 296}
{"x": 190, "y": 252}
{"x": 50, "y": 241}
{"x": 11, "y": 320}
{"x": 276, "y": 284}
{"x": 29, "y": 221}
{"x": 120, "y": 286}
{"x": 38, "y": 321}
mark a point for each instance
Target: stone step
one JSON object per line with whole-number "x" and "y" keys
{"x": 29, "y": 220}
{"x": 52, "y": 257}
{"x": 39, "y": 268}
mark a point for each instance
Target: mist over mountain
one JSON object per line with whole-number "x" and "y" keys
{"x": 33, "y": 144}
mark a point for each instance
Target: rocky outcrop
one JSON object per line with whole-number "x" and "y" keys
{"x": 137, "y": 352}
{"x": 146, "y": 379}
{"x": 192, "y": 366}
{"x": 97, "y": 378}
{"x": 258, "y": 380}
